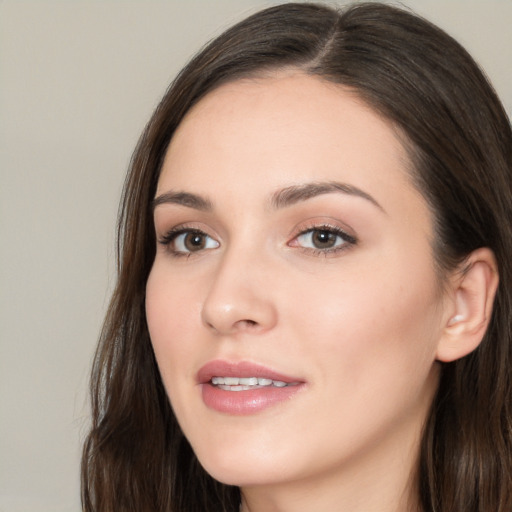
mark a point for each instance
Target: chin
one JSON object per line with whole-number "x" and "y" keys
{"x": 242, "y": 470}
{"x": 243, "y": 477}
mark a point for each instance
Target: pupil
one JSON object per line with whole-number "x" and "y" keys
{"x": 324, "y": 239}
{"x": 194, "y": 241}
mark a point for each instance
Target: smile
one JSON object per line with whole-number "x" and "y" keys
{"x": 247, "y": 383}
{"x": 245, "y": 388}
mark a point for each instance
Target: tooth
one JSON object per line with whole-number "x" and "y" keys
{"x": 249, "y": 381}
{"x": 245, "y": 383}
{"x": 235, "y": 388}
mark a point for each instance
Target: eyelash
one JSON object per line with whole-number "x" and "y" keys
{"x": 170, "y": 237}
{"x": 348, "y": 240}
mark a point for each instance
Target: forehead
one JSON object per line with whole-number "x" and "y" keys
{"x": 258, "y": 135}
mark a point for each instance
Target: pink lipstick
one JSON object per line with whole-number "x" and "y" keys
{"x": 244, "y": 388}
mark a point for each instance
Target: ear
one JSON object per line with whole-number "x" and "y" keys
{"x": 472, "y": 287}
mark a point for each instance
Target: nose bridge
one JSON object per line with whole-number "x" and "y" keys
{"x": 238, "y": 297}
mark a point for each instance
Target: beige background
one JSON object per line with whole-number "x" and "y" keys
{"x": 78, "y": 80}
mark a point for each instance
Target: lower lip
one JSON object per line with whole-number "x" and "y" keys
{"x": 247, "y": 402}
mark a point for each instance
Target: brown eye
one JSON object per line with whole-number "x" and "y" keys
{"x": 323, "y": 239}
{"x": 189, "y": 241}
{"x": 194, "y": 241}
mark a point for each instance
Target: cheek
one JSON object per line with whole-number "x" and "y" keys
{"x": 376, "y": 325}
{"x": 170, "y": 301}
{"x": 168, "y": 312}
{"x": 159, "y": 308}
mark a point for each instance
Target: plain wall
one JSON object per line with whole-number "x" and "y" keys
{"x": 78, "y": 81}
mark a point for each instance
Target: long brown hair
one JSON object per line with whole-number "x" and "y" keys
{"x": 459, "y": 140}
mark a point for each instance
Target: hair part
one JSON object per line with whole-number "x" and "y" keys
{"x": 459, "y": 141}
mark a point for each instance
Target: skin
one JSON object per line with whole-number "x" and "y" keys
{"x": 359, "y": 325}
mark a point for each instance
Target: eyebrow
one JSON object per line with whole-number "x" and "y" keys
{"x": 296, "y": 193}
{"x": 183, "y": 199}
{"x": 281, "y": 199}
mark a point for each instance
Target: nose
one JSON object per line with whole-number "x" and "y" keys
{"x": 238, "y": 299}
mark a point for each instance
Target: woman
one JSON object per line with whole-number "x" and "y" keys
{"x": 313, "y": 309}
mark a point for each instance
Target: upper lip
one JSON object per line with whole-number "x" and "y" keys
{"x": 220, "y": 368}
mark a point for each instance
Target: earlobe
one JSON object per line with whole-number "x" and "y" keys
{"x": 473, "y": 290}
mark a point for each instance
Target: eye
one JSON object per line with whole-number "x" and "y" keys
{"x": 324, "y": 239}
{"x": 187, "y": 241}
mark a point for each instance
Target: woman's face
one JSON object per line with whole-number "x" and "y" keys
{"x": 294, "y": 254}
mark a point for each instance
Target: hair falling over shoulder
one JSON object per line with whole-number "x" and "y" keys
{"x": 135, "y": 457}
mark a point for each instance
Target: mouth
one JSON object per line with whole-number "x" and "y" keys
{"x": 244, "y": 388}
{"x": 248, "y": 383}
{"x": 243, "y": 373}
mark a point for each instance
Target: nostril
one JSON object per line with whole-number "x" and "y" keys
{"x": 248, "y": 323}
{"x": 241, "y": 324}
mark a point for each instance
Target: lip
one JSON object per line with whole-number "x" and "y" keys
{"x": 220, "y": 368}
{"x": 248, "y": 401}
